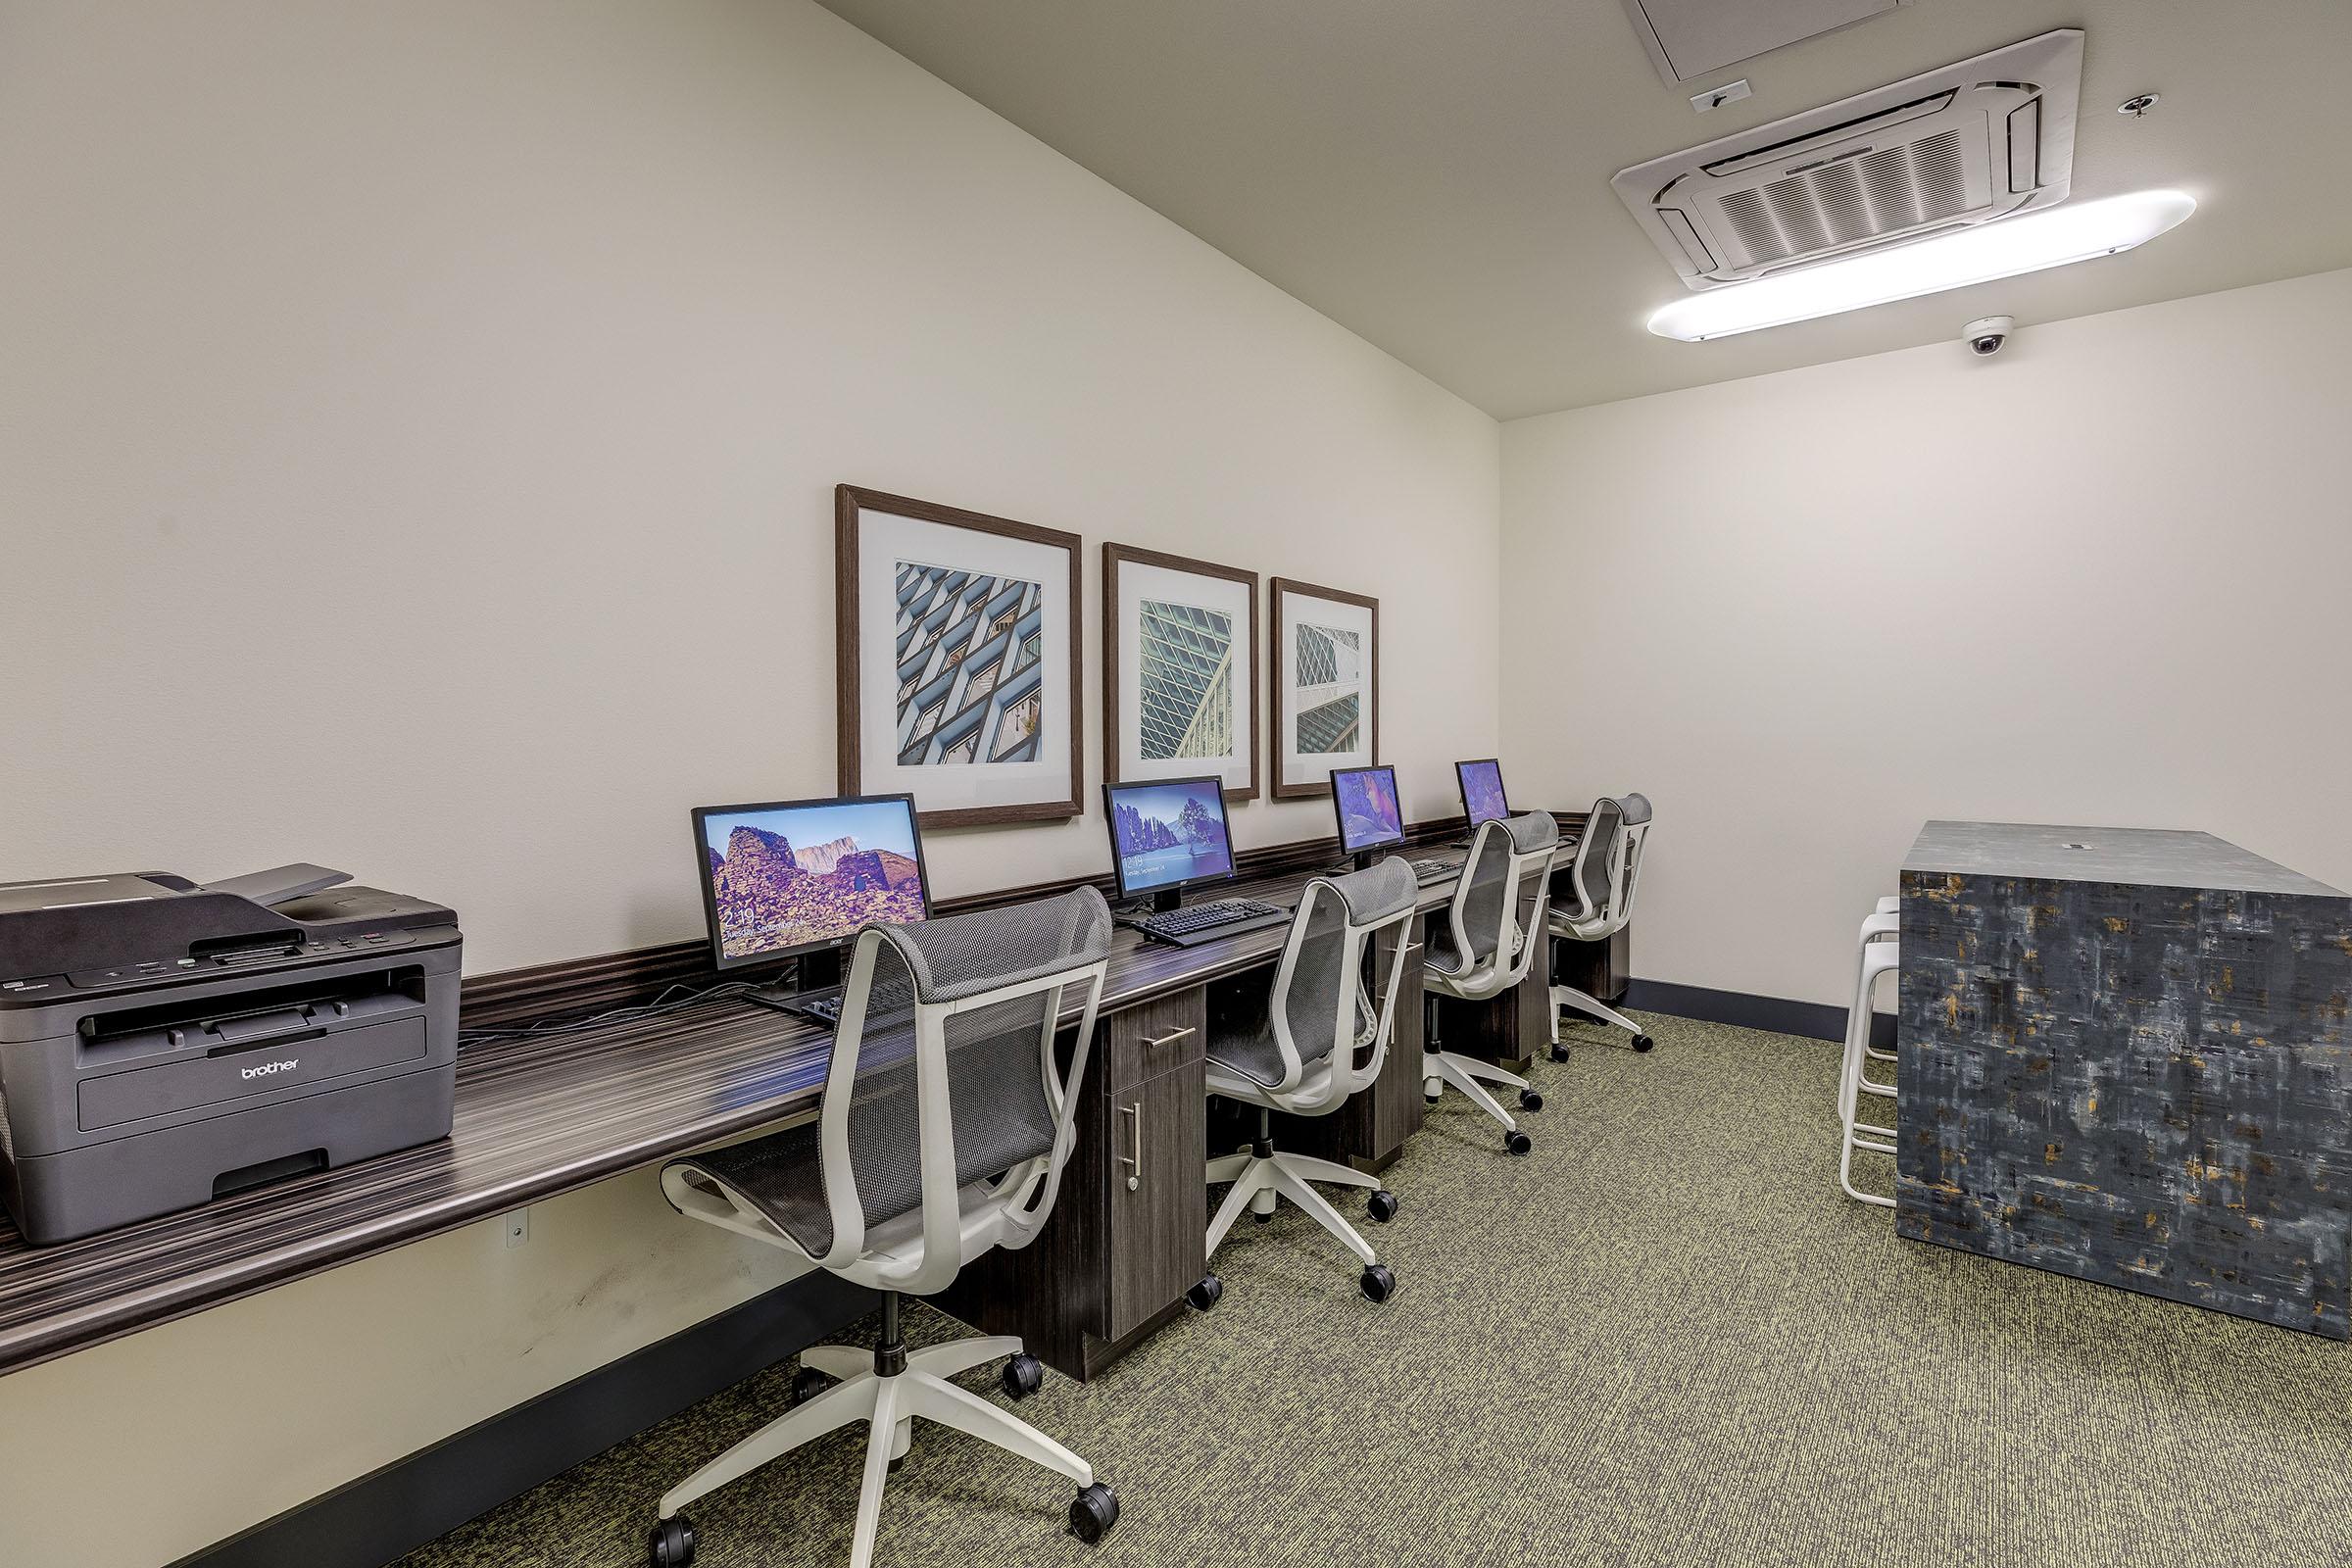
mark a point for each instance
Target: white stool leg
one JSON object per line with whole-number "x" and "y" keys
{"x": 1872, "y": 964}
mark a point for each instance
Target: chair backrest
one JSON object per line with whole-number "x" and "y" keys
{"x": 943, "y": 1074}
{"x": 1486, "y": 945}
{"x": 1320, "y": 1010}
{"x": 1608, "y": 866}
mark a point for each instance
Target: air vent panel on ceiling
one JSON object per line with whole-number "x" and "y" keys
{"x": 1980, "y": 140}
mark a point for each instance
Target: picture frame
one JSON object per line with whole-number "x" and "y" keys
{"x": 1324, "y": 712}
{"x": 1180, "y": 670}
{"x": 958, "y": 660}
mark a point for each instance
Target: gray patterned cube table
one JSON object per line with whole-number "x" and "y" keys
{"x": 2126, "y": 1056}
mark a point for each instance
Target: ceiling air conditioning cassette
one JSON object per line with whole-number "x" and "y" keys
{"x": 1980, "y": 140}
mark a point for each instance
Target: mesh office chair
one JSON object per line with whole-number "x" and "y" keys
{"x": 1319, "y": 1040}
{"x": 1607, "y": 870}
{"x": 1481, "y": 950}
{"x": 943, "y": 1133}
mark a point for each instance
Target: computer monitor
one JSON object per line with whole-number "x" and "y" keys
{"x": 796, "y": 877}
{"x": 1483, "y": 800}
{"x": 1167, "y": 835}
{"x": 1370, "y": 815}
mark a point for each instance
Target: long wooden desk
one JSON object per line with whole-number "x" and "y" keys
{"x": 539, "y": 1117}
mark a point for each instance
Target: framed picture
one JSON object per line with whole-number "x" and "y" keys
{"x": 958, "y": 660}
{"x": 1326, "y": 685}
{"x": 1179, "y": 671}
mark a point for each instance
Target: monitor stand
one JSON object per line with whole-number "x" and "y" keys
{"x": 813, "y": 977}
{"x": 1159, "y": 901}
{"x": 1362, "y": 859}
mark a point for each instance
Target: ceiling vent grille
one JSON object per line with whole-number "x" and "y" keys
{"x": 1980, "y": 140}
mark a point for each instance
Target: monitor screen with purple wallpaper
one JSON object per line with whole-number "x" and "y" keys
{"x": 1370, "y": 818}
{"x": 1482, "y": 791}
{"x": 793, "y": 875}
{"x": 1167, "y": 833}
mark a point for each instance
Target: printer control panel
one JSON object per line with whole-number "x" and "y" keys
{"x": 241, "y": 960}
{"x": 154, "y": 970}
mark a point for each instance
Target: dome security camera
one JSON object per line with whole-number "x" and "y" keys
{"x": 1986, "y": 334}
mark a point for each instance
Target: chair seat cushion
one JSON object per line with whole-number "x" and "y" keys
{"x": 779, "y": 1176}
{"x": 1250, "y": 1052}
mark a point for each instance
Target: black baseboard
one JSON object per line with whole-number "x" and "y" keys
{"x": 1815, "y": 1020}
{"x": 376, "y": 1519}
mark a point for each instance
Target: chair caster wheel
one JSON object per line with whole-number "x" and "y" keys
{"x": 807, "y": 1383}
{"x": 1430, "y": 1099}
{"x": 1377, "y": 1284}
{"x": 672, "y": 1544}
{"x": 1206, "y": 1291}
{"x": 1529, "y": 1100}
{"x": 1382, "y": 1205}
{"x": 1024, "y": 1376}
{"x": 1518, "y": 1142}
{"x": 1559, "y": 1052}
{"x": 1643, "y": 1042}
{"x": 1093, "y": 1512}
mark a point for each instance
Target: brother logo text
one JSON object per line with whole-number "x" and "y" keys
{"x": 269, "y": 1067}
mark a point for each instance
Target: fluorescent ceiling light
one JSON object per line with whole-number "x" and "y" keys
{"x": 2003, "y": 248}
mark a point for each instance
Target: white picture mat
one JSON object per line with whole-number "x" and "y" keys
{"x": 885, "y": 539}
{"x": 1224, "y": 596}
{"x": 1292, "y": 610}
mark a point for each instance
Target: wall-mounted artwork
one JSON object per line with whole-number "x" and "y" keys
{"x": 1326, "y": 685}
{"x": 958, "y": 660}
{"x": 1179, "y": 671}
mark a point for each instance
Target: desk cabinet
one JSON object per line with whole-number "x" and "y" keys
{"x": 1114, "y": 1260}
{"x": 1159, "y": 1211}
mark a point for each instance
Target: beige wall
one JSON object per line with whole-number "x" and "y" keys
{"x": 2099, "y": 579}
{"x": 418, "y": 433}
{"x": 423, "y": 423}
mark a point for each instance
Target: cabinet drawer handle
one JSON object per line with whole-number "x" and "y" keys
{"x": 1135, "y": 1162}
{"x": 1171, "y": 1038}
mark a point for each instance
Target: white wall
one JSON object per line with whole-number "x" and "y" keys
{"x": 2099, "y": 579}
{"x": 418, "y": 433}
{"x": 421, "y": 424}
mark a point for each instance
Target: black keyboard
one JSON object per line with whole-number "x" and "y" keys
{"x": 824, "y": 1008}
{"x": 1195, "y": 923}
{"x": 1436, "y": 870}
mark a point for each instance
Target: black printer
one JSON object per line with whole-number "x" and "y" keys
{"x": 164, "y": 1043}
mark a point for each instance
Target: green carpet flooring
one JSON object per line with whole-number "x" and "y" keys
{"x": 1662, "y": 1339}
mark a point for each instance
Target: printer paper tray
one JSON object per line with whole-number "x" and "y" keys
{"x": 265, "y": 1069}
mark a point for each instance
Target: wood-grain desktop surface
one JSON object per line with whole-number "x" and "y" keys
{"x": 534, "y": 1118}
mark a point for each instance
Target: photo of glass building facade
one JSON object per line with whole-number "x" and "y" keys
{"x": 1328, "y": 670}
{"x": 1184, "y": 681}
{"x": 970, "y": 657}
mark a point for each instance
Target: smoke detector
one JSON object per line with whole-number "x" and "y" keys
{"x": 1972, "y": 143}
